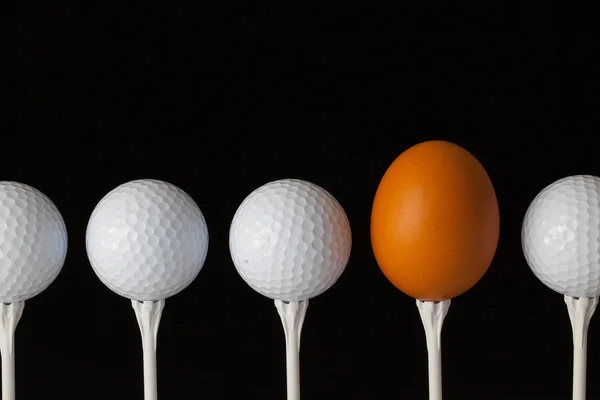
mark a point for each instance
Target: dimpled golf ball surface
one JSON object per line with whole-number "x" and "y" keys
{"x": 561, "y": 236}
{"x": 33, "y": 242}
{"x": 290, "y": 240}
{"x": 147, "y": 240}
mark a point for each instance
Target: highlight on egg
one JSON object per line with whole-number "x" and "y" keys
{"x": 435, "y": 221}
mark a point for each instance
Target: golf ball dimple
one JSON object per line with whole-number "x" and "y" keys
{"x": 147, "y": 240}
{"x": 33, "y": 242}
{"x": 561, "y": 236}
{"x": 290, "y": 240}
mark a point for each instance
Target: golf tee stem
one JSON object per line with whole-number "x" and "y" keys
{"x": 292, "y": 317}
{"x": 9, "y": 318}
{"x": 432, "y": 315}
{"x": 148, "y": 314}
{"x": 581, "y": 311}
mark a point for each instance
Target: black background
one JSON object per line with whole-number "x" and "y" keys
{"x": 222, "y": 98}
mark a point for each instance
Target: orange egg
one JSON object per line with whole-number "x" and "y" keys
{"x": 435, "y": 221}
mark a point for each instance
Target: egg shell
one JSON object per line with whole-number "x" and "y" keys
{"x": 435, "y": 221}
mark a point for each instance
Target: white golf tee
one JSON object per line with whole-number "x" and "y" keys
{"x": 292, "y": 317}
{"x": 9, "y": 318}
{"x": 432, "y": 315}
{"x": 148, "y": 314}
{"x": 581, "y": 311}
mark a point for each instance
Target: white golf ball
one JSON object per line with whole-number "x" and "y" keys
{"x": 147, "y": 240}
{"x": 290, "y": 240}
{"x": 33, "y": 242}
{"x": 561, "y": 236}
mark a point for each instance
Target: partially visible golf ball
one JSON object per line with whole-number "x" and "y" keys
{"x": 561, "y": 236}
{"x": 147, "y": 240}
{"x": 290, "y": 240}
{"x": 33, "y": 242}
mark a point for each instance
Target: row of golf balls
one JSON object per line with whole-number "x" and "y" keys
{"x": 289, "y": 239}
